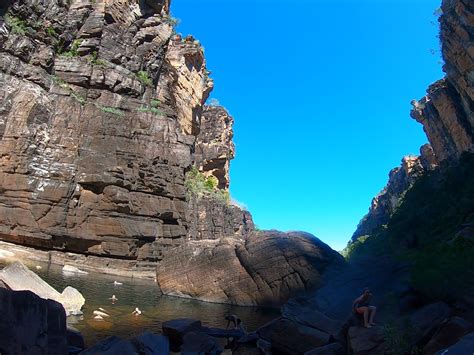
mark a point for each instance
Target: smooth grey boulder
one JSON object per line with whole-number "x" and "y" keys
{"x": 19, "y": 278}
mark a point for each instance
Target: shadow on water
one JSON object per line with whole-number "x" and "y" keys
{"x": 98, "y": 288}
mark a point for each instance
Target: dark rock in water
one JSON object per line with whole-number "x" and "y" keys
{"x": 200, "y": 343}
{"x": 75, "y": 339}
{"x": 146, "y": 344}
{"x": 266, "y": 268}
{"x": 426, "y": 321}
{"x": 289, "y": 337}
{"x": 30, "y": 324}
{"x": 463, "y": 347}
{"x": 330, "y": 349}
{"x": 364, "y": 341}
{"x": 176, "y": 329}
{"x": 111, "y": 346}
{"x": 448, "y": 334}
{"x": 149, "y": 344}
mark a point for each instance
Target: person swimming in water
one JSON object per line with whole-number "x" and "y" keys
{"x": 361, "y": 305}
{"x": 114, "y": 299}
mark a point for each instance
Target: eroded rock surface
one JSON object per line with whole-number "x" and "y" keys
{"x": 447, "y": 111}
{"x": 264, "y": 268}
{"x": 101, "y": 115}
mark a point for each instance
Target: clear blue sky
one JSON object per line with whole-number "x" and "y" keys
{"x": 320, "y": 92}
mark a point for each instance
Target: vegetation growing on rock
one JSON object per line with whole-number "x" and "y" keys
{"x": 198, "y": 185}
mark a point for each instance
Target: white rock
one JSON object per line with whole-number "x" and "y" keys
{"x": 37, "y": 267}
{"x": 18, "y": 277}
{"x": 6, "y": 254}
{"x": 73, "y": 270}
{"x": 98, "y": 318}
{"x": 100, "y": 313}
{"x": 116, "y": 283}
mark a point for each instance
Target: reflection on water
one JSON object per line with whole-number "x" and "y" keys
{"x": 98, "y": 288}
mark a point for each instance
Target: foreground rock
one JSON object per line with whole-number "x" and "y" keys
{"x": 264, "y": 269}
{"x": 146, "y": 343}
{"x": 450, "y": 331}
{"x": 362, "y": 341}
{"x": 462, "y": 347}
{"x": 18, "y": 277}
{"x": 30, "y": 324}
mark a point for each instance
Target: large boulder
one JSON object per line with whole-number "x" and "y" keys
{"x": 448, "y": 334}
{"x": 30, "y": 324}
{"x": 176, "y": 329}
{"x": 289, "y": 337}
{"x": 426, "y": 321}
{"x": 266, "y": 268}
{"x": 18, "y": 277}
{"x": 365, "y": 341}
{"x": 200, "y": 343}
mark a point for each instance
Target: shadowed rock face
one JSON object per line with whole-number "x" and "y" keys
{"x": 266, "y": 268}
{"x": 30, "y": 324}
{"x": 400, "y": 180}
{"x": 446, "y": 113}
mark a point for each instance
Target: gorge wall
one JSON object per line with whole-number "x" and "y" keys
{"x": 103, "y": 123}
{"x": 446, "y": 113}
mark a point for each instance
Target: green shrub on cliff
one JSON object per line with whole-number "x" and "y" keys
{"x": 73, "y": 50}
{"x": 198, "y": 185}
{"x": 144, "y": 78}
{"x": 16, "y": 24}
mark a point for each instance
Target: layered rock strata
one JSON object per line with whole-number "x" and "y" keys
{"x": 102, "y": 120}
{"x": 447, "y": 111}
{"x": 266, "y": 268}
{"x": 101, "y": 115}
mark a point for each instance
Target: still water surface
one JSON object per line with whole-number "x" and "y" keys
{"x": 98, "y": 288}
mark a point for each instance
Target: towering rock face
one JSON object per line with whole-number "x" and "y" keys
{"x": 102, "y": 126}
{"x": 100, "y": 118}
{"x": 446, "y": 113}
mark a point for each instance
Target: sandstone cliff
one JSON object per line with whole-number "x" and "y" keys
{"x": 107, "y": 150}
{"x": 446, "y": 113}
{"x": 101, "y": 111}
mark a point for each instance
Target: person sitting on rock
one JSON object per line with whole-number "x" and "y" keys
{"x": 232, "y": 319}
{"x": 361, "y": 305}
